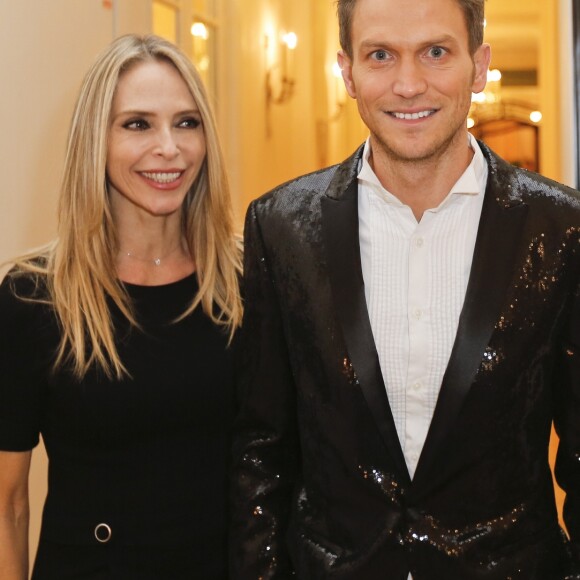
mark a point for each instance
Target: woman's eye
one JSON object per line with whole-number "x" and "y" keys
{"x": 190, "y": 123}
{"x": 136, "y": 125}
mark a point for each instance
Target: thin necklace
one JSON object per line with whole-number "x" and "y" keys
{"x": 156, "y": 260}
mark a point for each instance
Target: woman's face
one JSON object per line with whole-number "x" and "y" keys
{"x": 156, "y": 142}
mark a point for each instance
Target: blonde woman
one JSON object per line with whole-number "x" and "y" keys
{"x": 115, "y": 338}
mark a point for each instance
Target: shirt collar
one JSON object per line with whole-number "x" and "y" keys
{"x": 472, "y": 182}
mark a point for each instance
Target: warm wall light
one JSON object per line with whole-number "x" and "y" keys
{"x": 201, "y": 33}
{"x": 199, "y": 30}
{"x": 290, "y": 40}
{"x": 280, "y": 80}
{"x": 492, "y": 90}
{"x": 488, "y": 103}
{"x": 337, "y": 92}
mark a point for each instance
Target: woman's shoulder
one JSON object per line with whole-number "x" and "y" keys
{"x": 26, "y": 313}
{"x": 24, "y": 283}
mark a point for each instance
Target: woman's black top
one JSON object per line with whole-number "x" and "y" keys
{"x": 145, "y": 455}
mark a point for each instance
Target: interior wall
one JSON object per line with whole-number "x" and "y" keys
{"x": 568, "y": 119}
{"x": 265, "y": 145}
{"x": 45, "y": 56}
{"x": 319, "y": 125}
{"x": 549, "y": 75}
{"x": 340, "y": 129}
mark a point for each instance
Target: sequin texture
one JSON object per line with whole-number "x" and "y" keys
{"x": 321, "y": 489}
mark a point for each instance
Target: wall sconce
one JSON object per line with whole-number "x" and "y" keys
{"x": 337, "y": 93}
{"x": 200, "y": 46}
{"x": 280, "y": 80}
{"x": 488, "y": 103}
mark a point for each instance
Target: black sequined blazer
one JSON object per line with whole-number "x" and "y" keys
{"x": 321, "y": 489}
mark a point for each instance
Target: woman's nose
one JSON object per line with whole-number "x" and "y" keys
{"x": 167, "y": 144}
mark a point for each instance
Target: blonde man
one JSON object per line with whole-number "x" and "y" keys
{"x": 412, "y": 329}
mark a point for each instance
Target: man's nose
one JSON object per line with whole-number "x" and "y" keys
{"x": 410, "y": 80}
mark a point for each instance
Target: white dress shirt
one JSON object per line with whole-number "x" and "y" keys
{"x": 415, "y": 276}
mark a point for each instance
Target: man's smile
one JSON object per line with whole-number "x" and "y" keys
{"x": 413, "y": 116}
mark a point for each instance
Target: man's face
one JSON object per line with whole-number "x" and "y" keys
{"x": 412, "y": 75}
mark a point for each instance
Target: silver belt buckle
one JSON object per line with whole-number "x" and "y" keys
{"x": 103, "y": 533}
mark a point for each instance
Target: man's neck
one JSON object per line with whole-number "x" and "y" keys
{"x": 423, "y": 184}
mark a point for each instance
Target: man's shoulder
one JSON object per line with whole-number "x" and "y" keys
{"x": 302, "y": 188}
{"x": 307, "y": 189}
{"x": 511, "y": 183}
{"x": 534, "y": 186}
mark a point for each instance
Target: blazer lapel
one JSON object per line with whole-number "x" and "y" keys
{"x": 340, "y": 236}
{"x": 497, "y": 246}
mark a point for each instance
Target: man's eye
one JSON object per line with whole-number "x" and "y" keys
{"x": 190, "y": 123}
{"x": 136, "y": 125}
{"x": 437, "y": 52}
{"x": 380, "y": 55}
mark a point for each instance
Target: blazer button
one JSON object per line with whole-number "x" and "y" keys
{"x": 103, "y": 533}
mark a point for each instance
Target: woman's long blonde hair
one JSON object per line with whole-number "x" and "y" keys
{"x": 78, "y": 268}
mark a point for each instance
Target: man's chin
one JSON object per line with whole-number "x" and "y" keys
{"x": 413, "y": 151}
{"x": 412, "y": 154}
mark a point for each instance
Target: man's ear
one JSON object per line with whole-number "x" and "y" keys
{"x": 481, "y": 60}
{"x": 345, "y": 64}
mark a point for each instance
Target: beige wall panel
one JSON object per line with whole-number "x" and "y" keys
{"x": 47, "y": 46}
{"x": 132, "y": 16}
{"x": 567, "y": 114}
{"x": 549, "y": 84}
{"x": 267, "y": 145}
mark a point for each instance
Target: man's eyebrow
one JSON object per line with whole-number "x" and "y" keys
{"x": 385, "y": 43}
